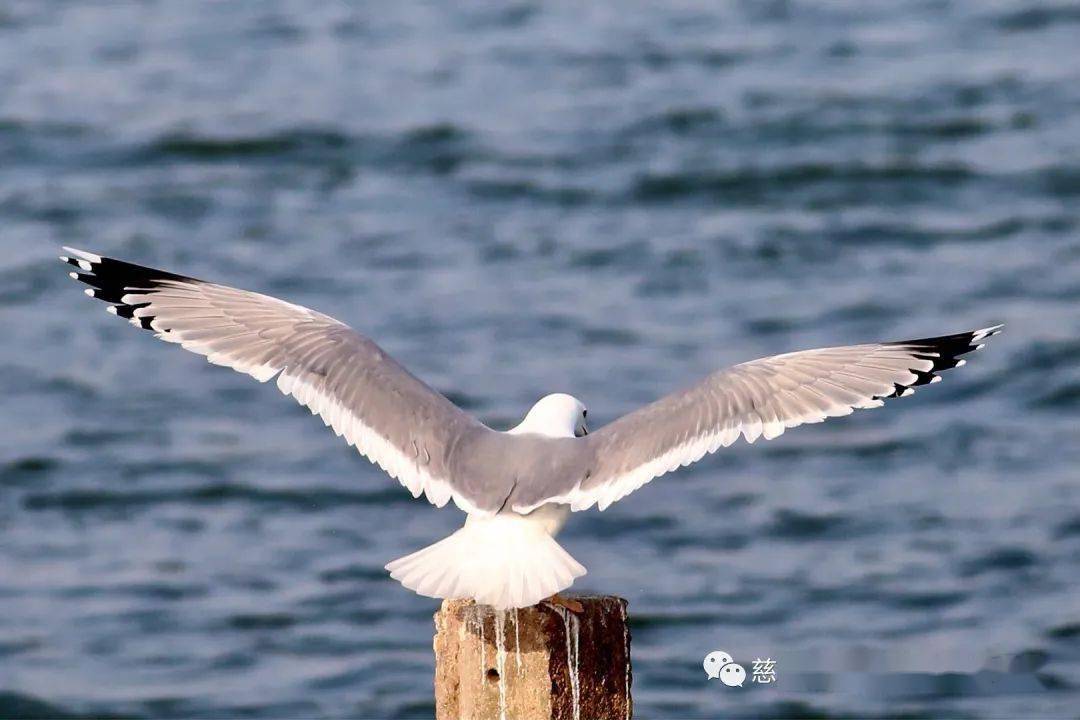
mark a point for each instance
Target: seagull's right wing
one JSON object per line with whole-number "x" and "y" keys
{"x": 760, "y": 398}
{"x": 393, "y": 418}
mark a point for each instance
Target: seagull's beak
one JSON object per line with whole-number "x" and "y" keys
{"x": 582, "y": 431}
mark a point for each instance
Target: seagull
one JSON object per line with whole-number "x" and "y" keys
{"x": 516, "y": 487}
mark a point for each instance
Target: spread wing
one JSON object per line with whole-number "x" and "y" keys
{"x": 411, "y": 431}
{"x": 756, "y": 399}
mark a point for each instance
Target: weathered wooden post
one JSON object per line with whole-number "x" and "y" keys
{"x": 543, "y": 662}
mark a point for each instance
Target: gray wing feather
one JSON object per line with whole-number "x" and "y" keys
{"x": 756, "y": 399}
{"x": 412, "y": 432}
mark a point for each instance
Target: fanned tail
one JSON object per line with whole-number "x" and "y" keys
{"x": 505, "y": 561}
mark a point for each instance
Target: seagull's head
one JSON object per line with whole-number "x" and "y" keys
{"x": 555, "y": 415}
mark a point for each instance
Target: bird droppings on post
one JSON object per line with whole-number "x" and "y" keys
{"x": 500, "y": 660}
{"x": 570, "y": 630}
{"x": 517, "y": 642}
{"x": 626, "y": 650}
{"x": 566, "y": 665}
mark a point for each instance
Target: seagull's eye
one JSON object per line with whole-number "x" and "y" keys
{"x": 584, "y": 413}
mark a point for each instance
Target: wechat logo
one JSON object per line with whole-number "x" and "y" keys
{"x": 721, "y": 666}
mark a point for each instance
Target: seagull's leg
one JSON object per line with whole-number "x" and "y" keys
{"x": 560, "y": 601}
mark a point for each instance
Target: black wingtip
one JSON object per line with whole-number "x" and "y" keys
{"x": 944, "y": 352}
{"x": 110, "y": 280}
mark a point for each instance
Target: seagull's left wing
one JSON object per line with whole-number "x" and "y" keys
{"x": 414, "y": 433}
{"x": 761, "y": 398}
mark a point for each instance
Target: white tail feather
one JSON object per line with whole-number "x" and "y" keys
{"x": 507, "y": 561}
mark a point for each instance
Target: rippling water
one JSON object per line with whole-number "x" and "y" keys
{"x": 517, "y": 199}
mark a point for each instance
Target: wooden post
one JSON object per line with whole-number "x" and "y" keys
{"x": 538, "y": 663}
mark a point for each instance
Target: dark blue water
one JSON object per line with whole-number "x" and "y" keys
{"x": 514, "y": 199}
